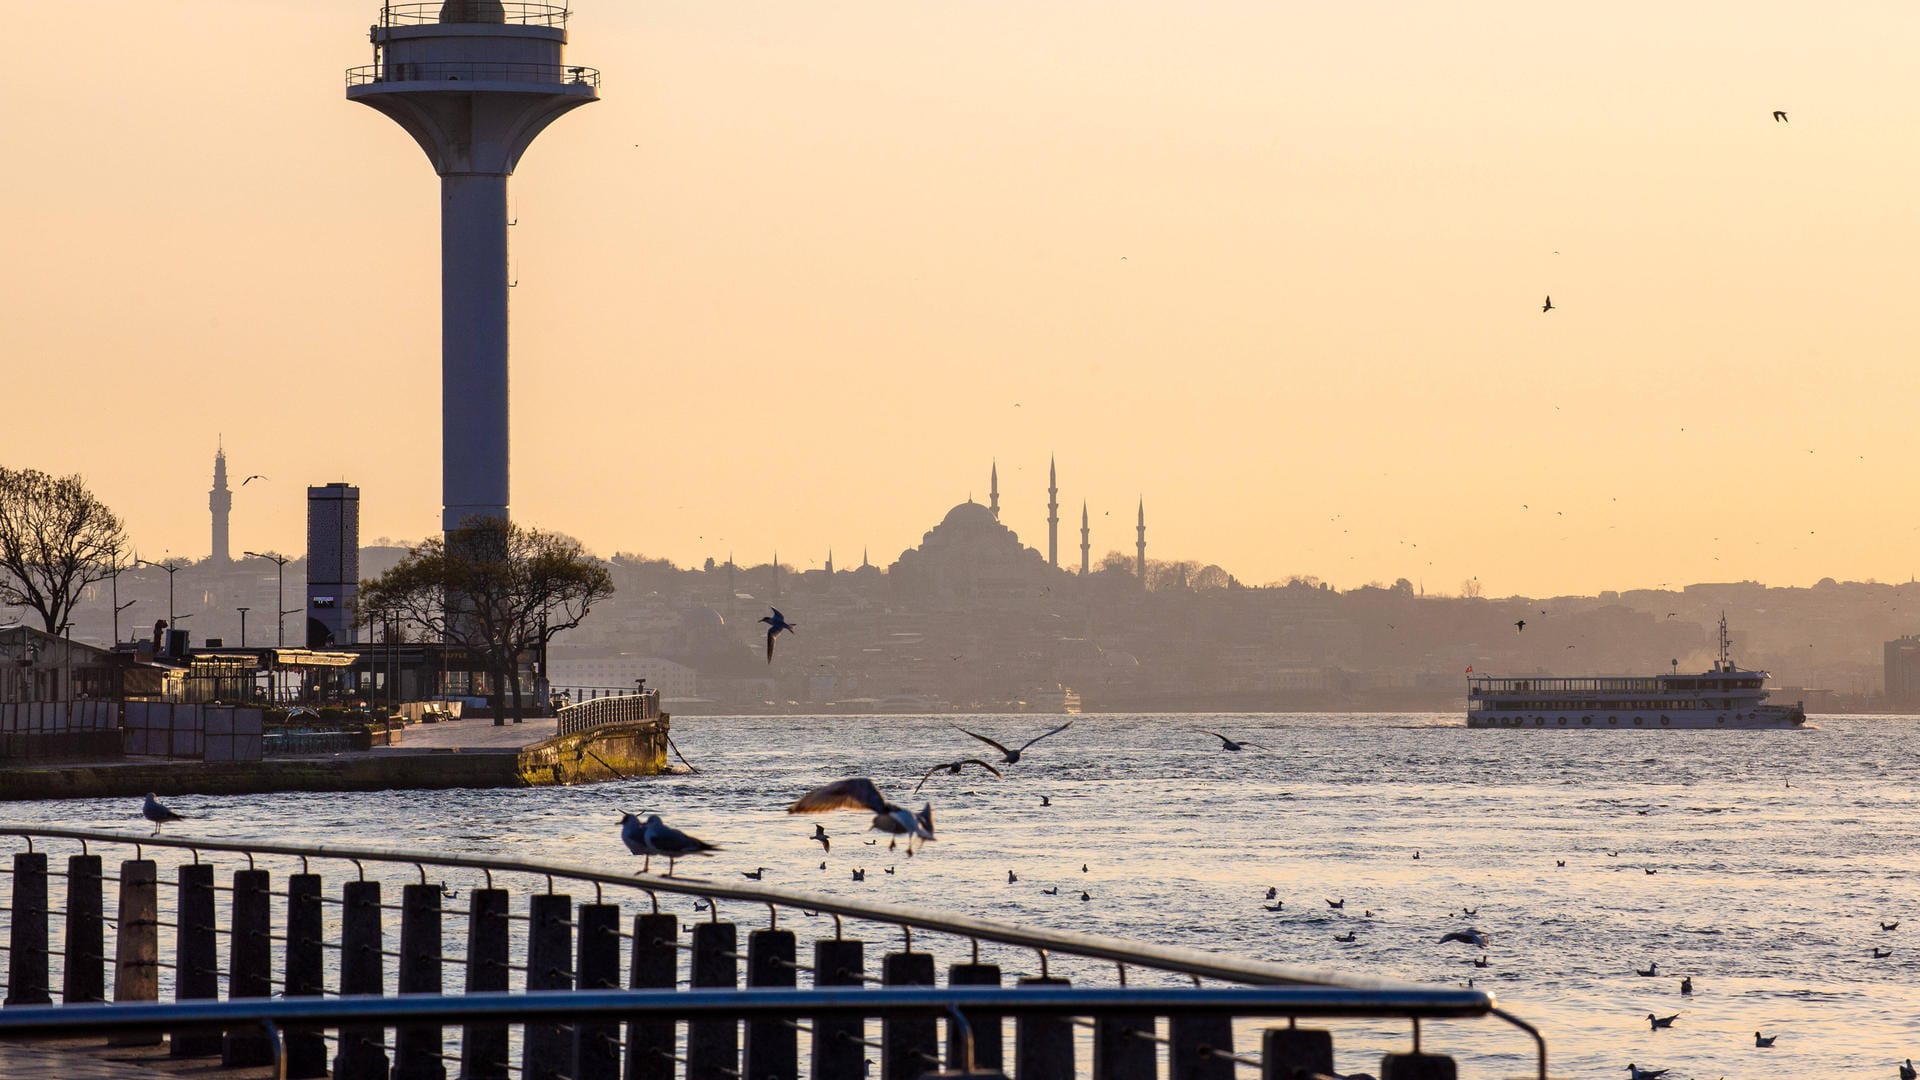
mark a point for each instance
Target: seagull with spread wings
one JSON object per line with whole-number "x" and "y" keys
{"x": 1013, "y": 756}
{"x": 1229, "y": 744}
{"x": 776, "y": 622}
{"x": 952, "y": 768}
{"x": 861, "y": 794}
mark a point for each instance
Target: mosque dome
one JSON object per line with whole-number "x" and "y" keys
{"x": 969, "y": 515}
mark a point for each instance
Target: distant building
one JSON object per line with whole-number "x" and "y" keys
{"x": 220, "y": 501}
{"x": 1903, "y": 672}
{"x": 333, "y": 564}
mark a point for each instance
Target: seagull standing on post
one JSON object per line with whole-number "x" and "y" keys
{"x": 776, "y": 622}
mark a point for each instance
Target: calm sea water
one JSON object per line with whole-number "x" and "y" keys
{"x": 1777, "y": 856}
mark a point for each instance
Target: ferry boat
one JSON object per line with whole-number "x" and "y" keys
{"x": 1726, "y": 697}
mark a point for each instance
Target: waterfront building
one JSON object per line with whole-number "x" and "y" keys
{"x": 333, "y": 564}
{"x": 1902, "y": 670}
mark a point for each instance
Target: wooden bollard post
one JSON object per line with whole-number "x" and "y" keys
{"x": 249, "y": 964}
{"x": 27, "y": 980}
{"x": 656, "y": 966}
{"x": 1191, "y": 1041}
{"x": 136, "y": 950}
{"x": 596, "y": 1046}
{"x": 1043, "y": 1045}
{"x": 1119, "y": 1053}
{"x": 196, "y": 955}
{"x": 547, "y": 1051}
{"x": 713, "y": 1046}
{"x": 839, "y": 1043}
{"x": 987, "y": 1038}
{"x": 305, "y": 1049}
{"x": 909, "y": 1045}
{"x": 773, "y": 1046}
{"x": 1417, "y": 1066}
{"x": 1288, "y": 1052}
{"x": 84, "y": 977}
{"x": 417, "y": 1047}
{"x": 363, "y": 1048}
{"x": 483, "y": 1047}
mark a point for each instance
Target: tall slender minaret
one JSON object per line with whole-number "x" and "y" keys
{"x": 220, "y": 501}
{"x": 1140, "y": 547}
{"x": 474, "y": 84}
{"x": 1053, "y": 516}
{"x": 1086, "y": 547}
{"x": 993, "y": 491}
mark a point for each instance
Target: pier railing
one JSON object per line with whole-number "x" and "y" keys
{"x": 629, "y": 708}
{"x": 314, "y": 984}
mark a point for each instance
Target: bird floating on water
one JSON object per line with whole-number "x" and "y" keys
{"x": 754, "y": 874}
{"x": 1907, "y": 1073}
{"x": 1878, "y": 952}
{"x": 1340, "y": 903}
{"x": 1481, "y": 961}
{"x": 1658, "y": 1022}
{"x": 1645, "y": 1074}
{"x": 1559, "y": 862}
{"x": 1085, "y": 896}
{"x": 1763, "y": 1041}
{"x": 1273, "y": 892}
{"x": 1347, "y": 937}
{"x": 1280, "y": 906}
{"x": 1046, "y": 800}
{"x": 1686, "y": 984}
{"x": 1889, "y": 926}
{"x": 776, "y": 622}
{"x": 1055, "y": 891}
{"x": 158, "y": 814}
{"x": 860, "y": 874}
{"x": 1011, "y": 878}
{"x": 861, "y": 794}
{"x": 1013, "y": 756}
{"x": 1651, "y": 969}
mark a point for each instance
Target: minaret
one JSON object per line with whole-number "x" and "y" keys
{"x": 829, "y": 564}
{"x": 220, "y": 501}
{"x": 1053, "y": 516}
{"x": 1086, "y": 548}
{"x": 473, "y": 85}
{"x": 776, "y": 573}
{"x": 993, "y": 491}
{"x": 1140, "y": 547}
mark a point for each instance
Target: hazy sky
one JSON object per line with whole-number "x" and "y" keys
{"x": 808, "y": 267}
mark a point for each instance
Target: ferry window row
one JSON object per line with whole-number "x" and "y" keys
{"x": 1609, "y": 706}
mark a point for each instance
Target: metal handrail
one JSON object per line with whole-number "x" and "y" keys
{"x": 461, "y": 71}
{"x": 535, "y": 1005}
{"x": 517, "y": 12}
{"x": 1191, "y": 962}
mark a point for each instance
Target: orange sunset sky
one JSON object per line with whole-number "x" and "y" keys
{"x": 809, "y": 267}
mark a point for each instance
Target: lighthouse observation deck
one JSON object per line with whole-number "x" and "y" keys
{"x": 495, "y": 43}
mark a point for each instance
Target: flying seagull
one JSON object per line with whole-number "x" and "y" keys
{"x": 1520, "y": 626}
{"x": 1548, "y": 306}
{"x": 251, "y": 479}
{"x": 1470, "y": 936}
{"x": 1229, "y": 744}
{"x": 159, "y": 815}
{"x": 952, "y": 768}
{"x": 1013, "y": 756}
{"x": 820, "y": 834}
{"x": 1779, "y": 117}
{"x": 776, "y": 622}
{"x": 860, "y": 794}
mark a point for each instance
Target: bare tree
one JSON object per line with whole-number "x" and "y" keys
{"x": 501, "y": 591}
{"x": 56, "y": 538}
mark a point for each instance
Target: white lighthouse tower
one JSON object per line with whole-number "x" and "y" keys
{"x": 473, "y": 81}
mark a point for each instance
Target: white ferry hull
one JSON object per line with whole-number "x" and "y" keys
{"x": 1766, "y": 716}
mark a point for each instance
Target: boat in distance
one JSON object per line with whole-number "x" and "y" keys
{"x": 1726, "y": 697}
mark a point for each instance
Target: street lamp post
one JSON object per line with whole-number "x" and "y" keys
{"x": 280, "y": 561}
{"x": 171, "y": 568}
{"x": 243, "y": 626}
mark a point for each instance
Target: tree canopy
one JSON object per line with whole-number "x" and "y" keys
{"x": 56, "y": 538}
